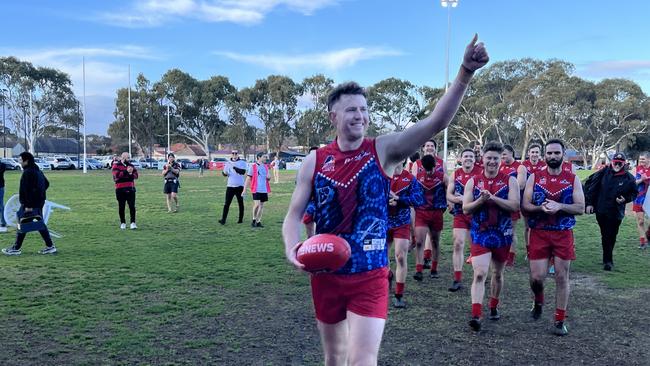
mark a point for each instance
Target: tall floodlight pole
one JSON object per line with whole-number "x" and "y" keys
{"x": 84, "y": 87}
{"x": 129, "y": 97}
{"x": 447, "y": 4}
{"x": 4, "y": 134}
{"x": 169, "y": 147}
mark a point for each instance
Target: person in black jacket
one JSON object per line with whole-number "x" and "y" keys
{"x": 3, "y": 224}
{"x": 33, "y": 185}
{"x": 606, "y": 193}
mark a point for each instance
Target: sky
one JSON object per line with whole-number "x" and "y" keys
{"x": 361, "y": 40}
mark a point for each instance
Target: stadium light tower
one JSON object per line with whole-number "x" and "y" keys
{"x": 4, "y": 134}
{"x": 447, "y": 4}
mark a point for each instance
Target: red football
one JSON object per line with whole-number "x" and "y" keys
{"x": 324, "y": 252}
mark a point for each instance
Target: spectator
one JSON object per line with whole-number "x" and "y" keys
{"x": 235, "y": 169}
{"x": 124, "y": 176}
{"x": 275, "y": 164}
{"x": 33, "y": 186}
{"x": 171, "y": 173}
{"x": 258, "y": 177}
{"x": 606, "y": 193}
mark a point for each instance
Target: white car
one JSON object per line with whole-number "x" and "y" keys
{"x": 58, "y": 162}
{"x": 42, "y": 164}
{"x": 11, "y": 164}
{"x": 136, "y": 164}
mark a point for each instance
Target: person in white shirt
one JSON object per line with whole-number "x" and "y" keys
{"x": 235, "y": 169}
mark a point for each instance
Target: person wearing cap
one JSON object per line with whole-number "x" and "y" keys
{"x": 171, "y": 174}
{"x": 235, "y": 169}
{"x": 606, "y": 193}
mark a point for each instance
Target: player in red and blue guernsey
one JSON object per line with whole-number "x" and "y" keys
{"x": 552, "y": 198}
{"x": 510, "y": 166}
{"x": 642, "y": 176}
{"x": 431, "y": 176}
{"x": 533, "y": 164}
{"x": 405, "y": 192}
{"x": 490, "y": 198}
{"x": 351, "y": 189}
{"x": 462, "y": 222}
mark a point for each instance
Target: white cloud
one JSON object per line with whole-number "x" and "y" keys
{"x": 616, "y": 68}
{"x": 331, "y": 61}
{"x": 152, "y": 13}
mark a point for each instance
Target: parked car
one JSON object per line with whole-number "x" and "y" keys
{"x": 11, "y": 164}
{"x": 187, "y": 164}
{"x": 107, "y": 161}
{"x": 95, "y": 163}
{"x": 136, "y": 164}
{"x": 149, "y": 163}
{"x": 74, "y": 163}
{"x": 58, "y": 162}
{"x": 42, "y": 164}
{"x": 218, "y": 163}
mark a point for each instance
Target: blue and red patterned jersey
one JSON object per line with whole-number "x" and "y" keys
{"x": 433, "y": 186}
{"x": 533, "y": 168}
{"x": 491, "y": 225}
{"x": 567, "y": 166}
{"x": 410, "y": 195}
{"x": 558, "y": 188}
{"x": 510, "y": 169}
{"x": 351, "y": 192}
{"x": 642, "y": 188}
{"x": 460, "y": 180}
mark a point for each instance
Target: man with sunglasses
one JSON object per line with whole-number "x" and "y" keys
{"x": 606, "y": 193}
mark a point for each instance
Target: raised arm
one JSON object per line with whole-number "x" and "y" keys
{"x": 395, "y": 147}
{"x": 299, "y": 200}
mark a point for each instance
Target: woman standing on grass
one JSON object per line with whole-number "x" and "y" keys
{"x": 124, "y": 176}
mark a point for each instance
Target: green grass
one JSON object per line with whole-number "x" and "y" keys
{"x": 113, "y": 296}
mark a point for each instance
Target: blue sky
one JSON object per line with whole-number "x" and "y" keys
{"x": 362, "y": 40}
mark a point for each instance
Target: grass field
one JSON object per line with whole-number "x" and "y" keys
{"x": 183, "y": 289}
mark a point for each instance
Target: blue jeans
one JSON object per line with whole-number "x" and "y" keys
{"x": 2, "y": 207}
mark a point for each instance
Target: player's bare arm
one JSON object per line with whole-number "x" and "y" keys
{"x": 469, "y": 204}
{"x": 395, "y": 147}
{"x": 451, "y": 194}
{"x": 512, "y": 203}
{"x": 299, "y": 199}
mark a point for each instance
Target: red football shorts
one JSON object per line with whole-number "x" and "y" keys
{"x": 498, "y": 254}
{"x": 429, "y": 218}
{"x": 544, "y": 244}
{"x": 364, "y": 294}
{"x": 462, "y": 221}
{"x": 637, "y": 208}
{"x": 400, "y": 232}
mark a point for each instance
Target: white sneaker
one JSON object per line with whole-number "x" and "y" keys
{"x": 133, "y": 226}
{"x": 3, "y": 229}
{"x": 122, "y": 226}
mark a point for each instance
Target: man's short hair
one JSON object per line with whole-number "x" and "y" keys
{"x": 535, "y": 145}
{"x": 555, "y": 141}
{"x": 349, "y": 88}
{"x": 415, "y": 156}
{"x": 493, "y": 146}
{"x": 509, "y": 148}
{"x": 27, "y": 157}
{"x": 428, "y": 162}
{"x": 259, "y": 154}
{"x": 435, "y": 144}
{"x": 467, "y": 149}
{"x": 171, "y": 154}
{"x": 645, "y": 154}
{"x": 313, "y": 148}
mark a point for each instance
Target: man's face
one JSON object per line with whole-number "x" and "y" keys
{"x": 23, "y": 163}
{"x": 234, "y": 155}
{"x": 170, "y": 159}
{"x": 263, "y": 159}
{"x": 350, "y": 116}
{"x": 618, "y": 165}
{"x": 554, "y": 155}
{"x": 125, "y": 156}
{"x": 507, "y": 157}
{"x": 477, "y": 149}
{"x": 533, "y": 154}
{"x": 643, "y": 160}
{"x": 491, "y": 162}
{"x": 429, "y": 148}
{"x": 467, "y": 159}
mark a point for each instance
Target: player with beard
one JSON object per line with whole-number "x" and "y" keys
{"x": 405, "y": 192}
{"x": 429, "y": 217}
{"x": 552, "y": 198}
{"x": 491, "y": 198}
{"x": 462, "y": 222}
{"x": 510, "y": 166}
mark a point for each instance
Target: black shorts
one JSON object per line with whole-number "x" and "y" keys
{"x": 171, "y": 186}
{"x": 262, "y": 197}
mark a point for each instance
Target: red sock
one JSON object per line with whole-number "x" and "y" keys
{"x": 643, "y": 240}
{"x": 458, "y": 276}
{"x": 476, "y": 310}
{"x": 560, "y": 315}
{"x": 418, "y": 268}
{"x": 493, "y": 303}
{"x": 434, "y": 266}
{"x": 539, "y": 298}
{"x": 427, "y": 254}
{"x": 399, "y": 288}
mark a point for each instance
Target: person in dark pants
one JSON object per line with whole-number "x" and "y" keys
{"x": 3, "y": 224}
{"x": 235, "y": 170}
{"x": 124, "y": 176}
{"x": 33, "y": 186}
{"x": 606, "y": 193}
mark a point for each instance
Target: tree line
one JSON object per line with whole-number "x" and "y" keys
{"x": 515, "y": 102}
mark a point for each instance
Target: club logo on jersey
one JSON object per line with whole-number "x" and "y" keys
{"x": 564, "y": 181}
{"x": 328, "y": 165}
{"x": 542, "y": 180}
